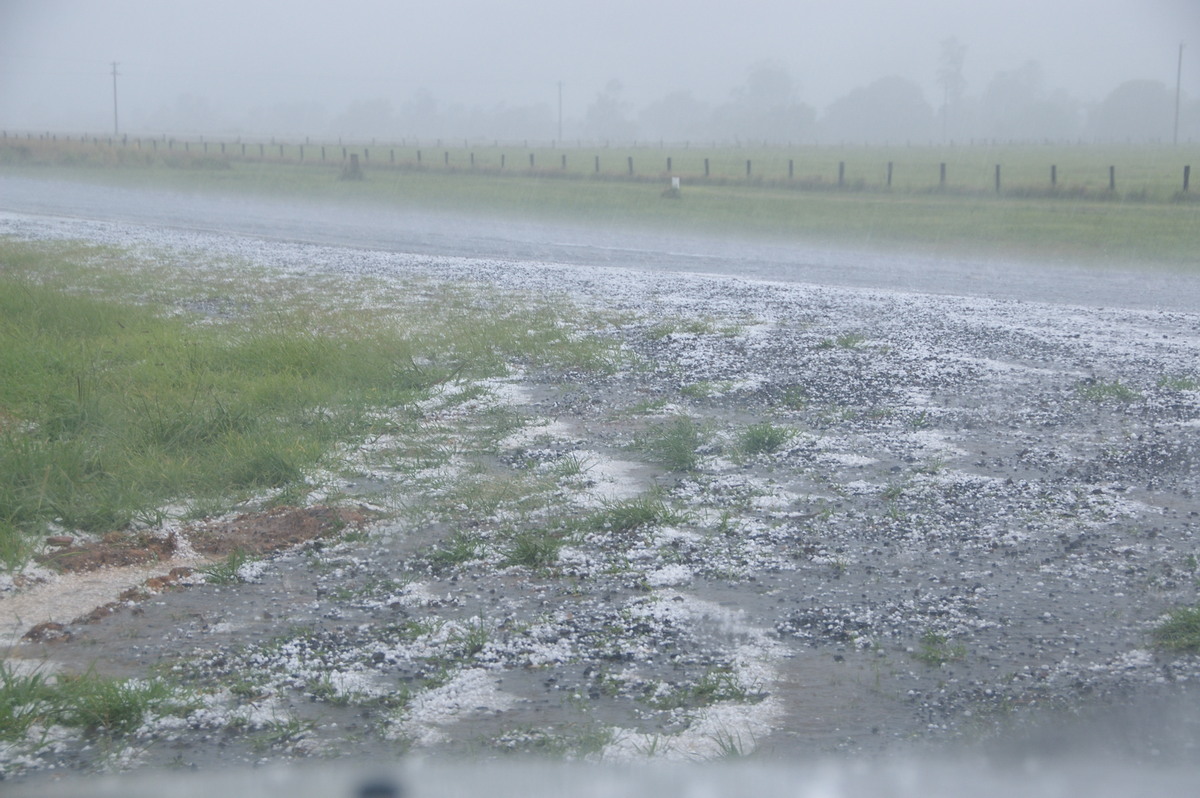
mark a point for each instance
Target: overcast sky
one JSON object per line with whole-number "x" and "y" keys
{"x": 239, "y": 55}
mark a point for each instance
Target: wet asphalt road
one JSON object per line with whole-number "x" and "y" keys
{"x": 409, "y": 231}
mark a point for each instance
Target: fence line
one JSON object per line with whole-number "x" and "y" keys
{"x": 284, "y": 152}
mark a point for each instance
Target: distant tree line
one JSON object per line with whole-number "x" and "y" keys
{"x": 1014, "y": 106}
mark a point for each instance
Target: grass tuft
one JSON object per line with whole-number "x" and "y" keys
{"x": 762, "y": 438}
{"x": 1180, "y": 632}
{"x": 633, "y": 514}
{"x": 677, "y": 443}
{"x": 1099, "y": 391}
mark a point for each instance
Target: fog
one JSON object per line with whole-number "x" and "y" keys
{"x": 945, "y": 69}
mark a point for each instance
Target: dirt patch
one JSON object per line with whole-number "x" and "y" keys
{"x": 114, "y": 549}
{"x": 252, "y": 533}
{"x": 276, "y": 529}
{"x": 127, "y": 567}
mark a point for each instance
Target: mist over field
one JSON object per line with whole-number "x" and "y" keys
{"x": 862, "y": 71}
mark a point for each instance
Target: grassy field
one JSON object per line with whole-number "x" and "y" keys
{"x": 1146, "y": 219}
{"x": 133, "y": 390}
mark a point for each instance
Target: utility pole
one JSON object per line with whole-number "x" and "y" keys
{"x": 560, "y": 110}
{"x": 1178, "y": 83}
{"x": 116, "y": 130}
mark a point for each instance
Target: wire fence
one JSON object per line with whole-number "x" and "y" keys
{"x": 1146, "y": 173}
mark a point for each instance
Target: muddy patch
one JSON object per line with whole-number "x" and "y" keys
{"x": 86, "y": 582}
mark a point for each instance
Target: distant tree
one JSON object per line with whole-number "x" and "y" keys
{"x": 607, "y": 118}
{"x": 189, "y": 114}
{"x": 364, "y": 119}
{"x": 891, "y": 109}
{"x": 767, "y": 107}
{"x": 1189, "y": 122}
{"x": 954, "y": 85}
{"x": 678, "y": 116}
{"x": 1137, "y": 110}
{"x": 289, "y": 119}
{"x": 515, "y": 122}
{"x": 1016, "y": 106}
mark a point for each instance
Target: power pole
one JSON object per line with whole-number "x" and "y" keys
{"x": 116, "y": 130}
{"x": 1178, "y": 82}
{"x": 560, "y": 110}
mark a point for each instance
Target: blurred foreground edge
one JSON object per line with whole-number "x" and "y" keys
{"x": 533, "y": 779}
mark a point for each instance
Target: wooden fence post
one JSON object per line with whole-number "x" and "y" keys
{"x": 841, "y": 174}
{"x": 446, "y": 158}
{"x": 597, "y": 164}
{"x": 1187, "y": 177}
{"x": 997, "y": 178}
{"x": 301, "y": 152}
{"x": 392, "y": 155}
{"x": 322, "y": 153}
{"x": 418, "y": 157}
{"x": 747, "y": 167}
{"x": 1112, "y": 178}
{"x": 501, "y": 160}
{"x": 631, "y": 166}
{"x": 531, "y": 160}
{"x": 281, "y": 152}
{"x": 942, "y": 175}
{"x": 472, "y": 160}
{"x": 706, "y": 167}
{"x": 1053, "y": 175}
{"x": 889, "y": 174}
{"x": 668, "y": 164}
{"x": 564, "y": 162}
{"x": 791, "y": 168}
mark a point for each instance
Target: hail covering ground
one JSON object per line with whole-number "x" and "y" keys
{"x": 978, "y": 511}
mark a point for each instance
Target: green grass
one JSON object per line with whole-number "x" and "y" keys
{"x": 227, "y": 571}
{"x": 633, "y": 514}
{"x": 1145, "y": 220}
{"x": 936, "y": 650}
{"x": 114, "y": 403}
{"x": 716, "y": 685}
{"x": 762, "y": 438}
{"x": 533, "y": 548}
{"x": 1180, "y": 382}
{"x": 1099, "y": 391}
{"x": 458, "y": 548}
{"x": 1180, "y": 632}
{"x": 676, "y": 443}
{"x": 89, "y": 702}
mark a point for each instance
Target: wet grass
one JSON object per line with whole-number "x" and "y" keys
{"x": 1099, "y": 391}
{"x": 1179, "y": 632}
{"x": 676, "y": 443}
{"x": 937, "y": 650}
{"x": 1146, "y": 221}
{"x": 633, "y": 514}
{"x": 764, "y": 438}
{"x": 115, "y": 403}
{"x": 533, "y": 548}
{"x": 33, "y": 703}
{"x": 227, "y": 571}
